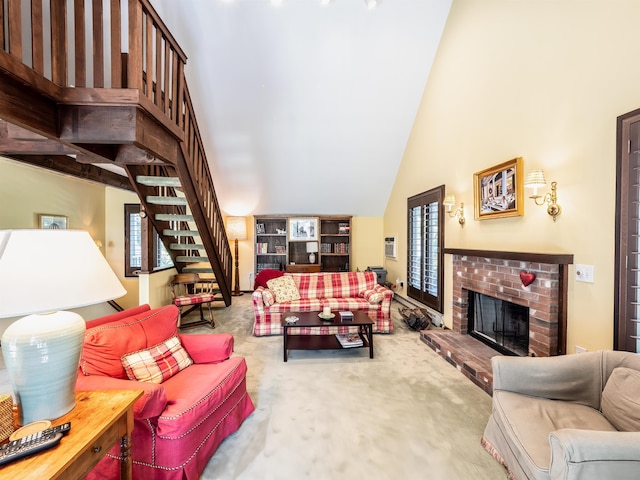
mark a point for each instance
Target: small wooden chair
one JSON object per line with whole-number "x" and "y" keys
{"x": 189, "y": 291}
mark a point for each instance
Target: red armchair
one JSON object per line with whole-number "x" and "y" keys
{"x": 179, "y": 423}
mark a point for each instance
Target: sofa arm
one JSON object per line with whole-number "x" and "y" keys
{"x": 579, "y": 454}
{"x": 574, "y": 378}
{"x": 214, "y": 348}
{"x": 387, "y": 294}
{"x": 258, "y": 302}
{"x": 151, "y": 404}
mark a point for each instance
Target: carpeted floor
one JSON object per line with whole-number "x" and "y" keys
{"x": 329, "y": 415}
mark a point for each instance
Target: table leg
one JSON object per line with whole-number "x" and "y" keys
{"x": 126, "y": 472}
{"x": 284, "y": 335}
{"x": 370, "y": 336}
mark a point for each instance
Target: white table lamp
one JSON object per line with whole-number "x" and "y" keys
{"x": 42, "y": 272}
{"x": 312, "y": 249}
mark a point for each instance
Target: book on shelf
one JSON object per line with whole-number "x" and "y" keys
{"x": 346, "y": 315}
{"x": 349, "y": 340}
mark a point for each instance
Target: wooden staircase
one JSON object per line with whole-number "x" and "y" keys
{"x": 131, "y": 109}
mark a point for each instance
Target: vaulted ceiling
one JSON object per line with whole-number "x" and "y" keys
{"x": 305, "y": 108}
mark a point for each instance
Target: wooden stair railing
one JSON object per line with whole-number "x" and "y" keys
{"x": 153, "y": 65}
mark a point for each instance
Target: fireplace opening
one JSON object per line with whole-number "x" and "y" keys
{"x": 501, "y": 324}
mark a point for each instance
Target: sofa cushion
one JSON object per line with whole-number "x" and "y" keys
{"x": 105, "y": 345}
{"x": 527, "y": 421}
{"x": 158, "y": 363}
{"x": 621, "y": 399}
{"x": 264, "y": 276}
{"x": 284, "y": 289}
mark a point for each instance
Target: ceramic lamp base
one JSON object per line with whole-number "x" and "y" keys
{"x": 41, "y": 354}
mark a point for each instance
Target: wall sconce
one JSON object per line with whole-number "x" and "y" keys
{"x": 449, "y": 202}
{"x": 535, "y": 180}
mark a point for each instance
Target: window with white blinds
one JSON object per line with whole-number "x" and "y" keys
{"x": 425, "y": 245}
{"x": 134, "y": 245}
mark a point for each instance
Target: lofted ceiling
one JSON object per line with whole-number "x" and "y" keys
{"x": 304, "y": 108}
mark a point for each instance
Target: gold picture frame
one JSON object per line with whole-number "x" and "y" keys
{"x": 498, "y": 191}
{"x": 53, "y": 222}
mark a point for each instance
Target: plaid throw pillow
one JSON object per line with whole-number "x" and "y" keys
{"x": 158, "y": 363}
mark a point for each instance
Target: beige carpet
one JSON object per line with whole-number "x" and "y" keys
{"x": 406, "y": 414}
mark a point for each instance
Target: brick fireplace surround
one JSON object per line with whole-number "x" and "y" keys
{"x": 497, "y": 274}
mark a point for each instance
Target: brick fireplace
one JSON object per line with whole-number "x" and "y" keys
{"x": 497, "y": 274}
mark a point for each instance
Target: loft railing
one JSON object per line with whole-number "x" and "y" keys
{"x": 91, "y": 50}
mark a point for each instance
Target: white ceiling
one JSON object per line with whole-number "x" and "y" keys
{"x": 303, "y": 108}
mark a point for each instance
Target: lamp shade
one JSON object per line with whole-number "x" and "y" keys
{"x": 535, "y": 179}
{"x": 312, "y": 247}
{"x": 49, "y": 270}
{"x": 236, "y": 228}
{"x": 41, "y": 272}
{"x": 449, "y": 200}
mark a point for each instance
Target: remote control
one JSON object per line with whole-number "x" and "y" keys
{"x": 33, "y": 443}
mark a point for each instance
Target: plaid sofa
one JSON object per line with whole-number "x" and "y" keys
{"x": 340, "y": 291}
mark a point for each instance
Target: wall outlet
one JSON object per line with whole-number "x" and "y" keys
{"x": 584, "y": 273}
{"x": 251, "y": 277}
{"x": 580, "y": 349}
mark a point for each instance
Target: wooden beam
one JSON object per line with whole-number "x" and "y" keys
{"x": 97, "y": 124}
{"x": 9, "y": 146}
{"x": 132, "y": 155}
{"x": 20, "y": 141}
{"x": 26, "y": 107}
{"x": 67, "y": 165}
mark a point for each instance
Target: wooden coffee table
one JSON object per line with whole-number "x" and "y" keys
{"x": 325, "y": 341}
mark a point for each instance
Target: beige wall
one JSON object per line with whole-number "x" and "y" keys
{"x": 543, "y": 80}
{"x": 367, "y": 242}
{"x": 114, "y": 244}
{"x": 26, "y": 191}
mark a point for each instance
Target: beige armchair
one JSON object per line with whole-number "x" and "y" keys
{"x": 567, "y": 417}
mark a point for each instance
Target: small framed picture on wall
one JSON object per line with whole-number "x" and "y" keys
{"x": 53, "y": 222}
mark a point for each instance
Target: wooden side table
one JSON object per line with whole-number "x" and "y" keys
{"x": 99, "y": 420}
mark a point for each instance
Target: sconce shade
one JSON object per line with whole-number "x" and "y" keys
{"x": 535, "y": 179}
{"x": 449, "y": 200}
{"x": 42, "y": 272}
{"x": 312, "y": 247}
{"x": 236, "y": 228}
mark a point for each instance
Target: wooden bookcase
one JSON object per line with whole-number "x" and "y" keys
{"x": 274, "y": 249}
{"x": 335, "y": 244}
{"x": 271, "y": 243}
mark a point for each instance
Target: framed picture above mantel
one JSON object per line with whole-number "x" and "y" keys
{"x": 499, "y": 191}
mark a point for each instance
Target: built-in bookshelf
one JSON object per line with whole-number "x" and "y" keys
{"x": 271, "y": 243}
{"x": 276, "y": 248}
{"x": 335, "y": 244}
